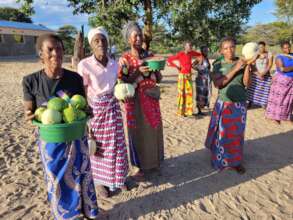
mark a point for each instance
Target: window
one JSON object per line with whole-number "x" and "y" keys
{"x": 1, "y": 38}
{"x": 19, "y": 38}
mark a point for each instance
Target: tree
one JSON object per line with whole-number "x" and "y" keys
{"x": 202, "y": 21}
{"x": 13, "y": 14}
{"x": 67, "y": 34}
{"x": 285, "y": 10}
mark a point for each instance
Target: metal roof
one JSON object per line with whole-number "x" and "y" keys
{"x": 23, "y": 26}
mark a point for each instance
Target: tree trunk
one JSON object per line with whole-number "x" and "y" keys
{"x": 78, "y": 53}
{"x": 148, "y": 22}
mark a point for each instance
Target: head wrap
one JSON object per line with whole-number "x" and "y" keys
{"x": 128, "y": 29}
{"x": 98, "y": 30}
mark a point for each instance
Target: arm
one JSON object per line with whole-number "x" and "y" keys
{"x": 171, "y": 59}
{"x": 220, "y": 81}
{"x": 29, "y": 103}
{"x": 247, "y": 76}
{"x": 280, "y": 65}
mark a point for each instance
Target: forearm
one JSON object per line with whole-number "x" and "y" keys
{"x": 222, "y": 81}
{"x": 247, "y": 76}
{"x": 286, "y": 69}
{"x": 158, "y": 76}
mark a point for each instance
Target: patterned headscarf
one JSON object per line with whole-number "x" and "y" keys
{"x": 128, "y": 29}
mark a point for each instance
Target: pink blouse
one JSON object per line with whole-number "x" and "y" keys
{"x": 97, "y": 79}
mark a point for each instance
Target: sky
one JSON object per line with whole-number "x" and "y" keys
{"x": 55, "y": 13}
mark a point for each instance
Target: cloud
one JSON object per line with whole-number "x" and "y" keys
{"x": 9, "y": 3}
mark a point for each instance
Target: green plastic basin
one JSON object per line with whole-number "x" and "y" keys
{"x": 58, "y": 133}
{"x": 156, "y": 65}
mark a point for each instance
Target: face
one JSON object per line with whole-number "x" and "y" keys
{"x": 188, "y": 47}
{"x": 135, "y": 39}
{"x": 51, "y": 54}
{"x": 286, "y": 48}
{"x": 228, "y": 50}
{"x": 261, "y": 48}
{"x": 99, "y": 45}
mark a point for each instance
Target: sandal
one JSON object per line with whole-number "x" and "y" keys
{"x": 102, "y": 191}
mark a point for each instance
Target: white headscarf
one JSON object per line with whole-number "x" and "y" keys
{"x": 97, "y": 30}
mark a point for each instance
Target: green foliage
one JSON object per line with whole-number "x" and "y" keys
{"x": 26, "y": 7}
{"x": 67, "y": 34}
{"x": 272, "y": 33}
{"x": 285, "y": 10}
{"x": 13, "y": 14}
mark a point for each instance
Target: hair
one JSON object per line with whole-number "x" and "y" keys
{"x": 227, "y": 39}
{"x": 284, "y": 43}
{"x": 42, "y": 38}
{"x": 203, "y": 47}
{"x": 187, "y": 42}
{"x": 262, "y": 43}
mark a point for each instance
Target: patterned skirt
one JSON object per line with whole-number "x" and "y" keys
{"x": 280, "y": 102}
{"x": 71, "y": 190}
{"x": 203, "y": 90}
{"x": 259, "y": 90}
{"x": 225, "y": 136}
{"x": 109, "y": 164}
{"x": 185, "y": 98}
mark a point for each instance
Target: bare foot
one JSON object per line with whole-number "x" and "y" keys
{"x": 102, "y": 191}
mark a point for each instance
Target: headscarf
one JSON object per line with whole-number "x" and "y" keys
{"x": 97, "y": 30}
{"x": 128, "y": 29}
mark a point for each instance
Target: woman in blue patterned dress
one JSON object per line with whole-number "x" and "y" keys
{"x": 71, "y": 191}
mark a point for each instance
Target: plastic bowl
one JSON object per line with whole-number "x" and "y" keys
{"x": 59, "y": 133}
{"x": 156, "y": 65}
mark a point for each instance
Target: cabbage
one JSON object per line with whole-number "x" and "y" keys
{"x": 51, "y": 116}
{"x": 78, "y": 101}
{"x": 80, "y": 114}
{"x": 56, "y": 103}
{"x": 38, "y": 113}
{"x": 69, "y": 114}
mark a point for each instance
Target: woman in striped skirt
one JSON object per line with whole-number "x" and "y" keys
{"x": 109, "y": 163}
{"x": 258, "y": 91}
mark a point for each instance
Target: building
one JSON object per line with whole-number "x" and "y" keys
{"x": 19, "y": 39}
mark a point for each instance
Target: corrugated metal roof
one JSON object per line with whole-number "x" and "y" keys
{"x": 22, "y": 25}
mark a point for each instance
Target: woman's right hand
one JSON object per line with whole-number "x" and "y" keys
{"x": 240, "y": 65}
{"x": 29, "y": 115}
{"x": 144, "y": 69}
{"x": 123, "y": 61}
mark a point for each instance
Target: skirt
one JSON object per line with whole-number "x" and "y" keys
{"x": 109, "y": 164}
{"x": 71, "y": 190}
{"x": 280, "y": 102}
{"x": 259, "y": 90}
{"x": 185, "y": 95}
{"x": 225, "y": 136}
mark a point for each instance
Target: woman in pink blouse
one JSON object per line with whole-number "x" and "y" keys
{"x": 109, "y": 163}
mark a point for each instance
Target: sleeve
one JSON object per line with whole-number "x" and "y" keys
{"x": 195, "y": 53}
{"x": 216, "y": 73}
{"x": 81, "y": 70}
{"x": 27, "y": 89}
{"x": 171, "y": 59}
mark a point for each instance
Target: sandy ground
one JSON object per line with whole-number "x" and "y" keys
{"x": 186, "y": 187}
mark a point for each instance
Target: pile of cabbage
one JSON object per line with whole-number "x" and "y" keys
{"x": 60, "y": 111}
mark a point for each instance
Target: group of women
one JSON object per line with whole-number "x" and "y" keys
{"x": 129, "y": 134}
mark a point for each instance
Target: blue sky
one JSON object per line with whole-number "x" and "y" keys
{"x": 56, "y": 13}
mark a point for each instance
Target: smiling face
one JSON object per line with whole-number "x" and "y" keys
{"x": 262, "y": 48}
{"x": 51, "y": 54}
{"x": 187, "y": 47}
{"x": 135, "y": 39}
{"x": 99, "y": 45}
{"x": 286, "y": 48}
{"x": 228, "y": 50}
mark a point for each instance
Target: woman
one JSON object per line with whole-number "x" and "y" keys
{"x": 142, "y": 112}
{"x": 66, "y": 165}
{"x": 258, "y": 91}
{"x": 203, "y": 81}
{"x": 280, "y": 103}
{"x": 99, "y": 72}
{"x": 225, "y": 136}
{"x": 185, "y": 94}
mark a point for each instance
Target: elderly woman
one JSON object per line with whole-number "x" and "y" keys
{"x": 280, "y": 104}
{"x": 203, "y": 81}
{"x": 99, "y": 73}
{"x": 225, "y": 136}
{"x": 258, "y": 91}
{"x": 142, "y": 112}
{"x": 66, "y": 165}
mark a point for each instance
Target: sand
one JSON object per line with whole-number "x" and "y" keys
{"x": 186, "y": 186}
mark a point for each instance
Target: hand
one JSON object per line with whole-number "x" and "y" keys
{"x": 144, "y": 69}
{"x": 29, "y": 115}
{"x": 240, "y": 65}
{"x": 122, "y": 61}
